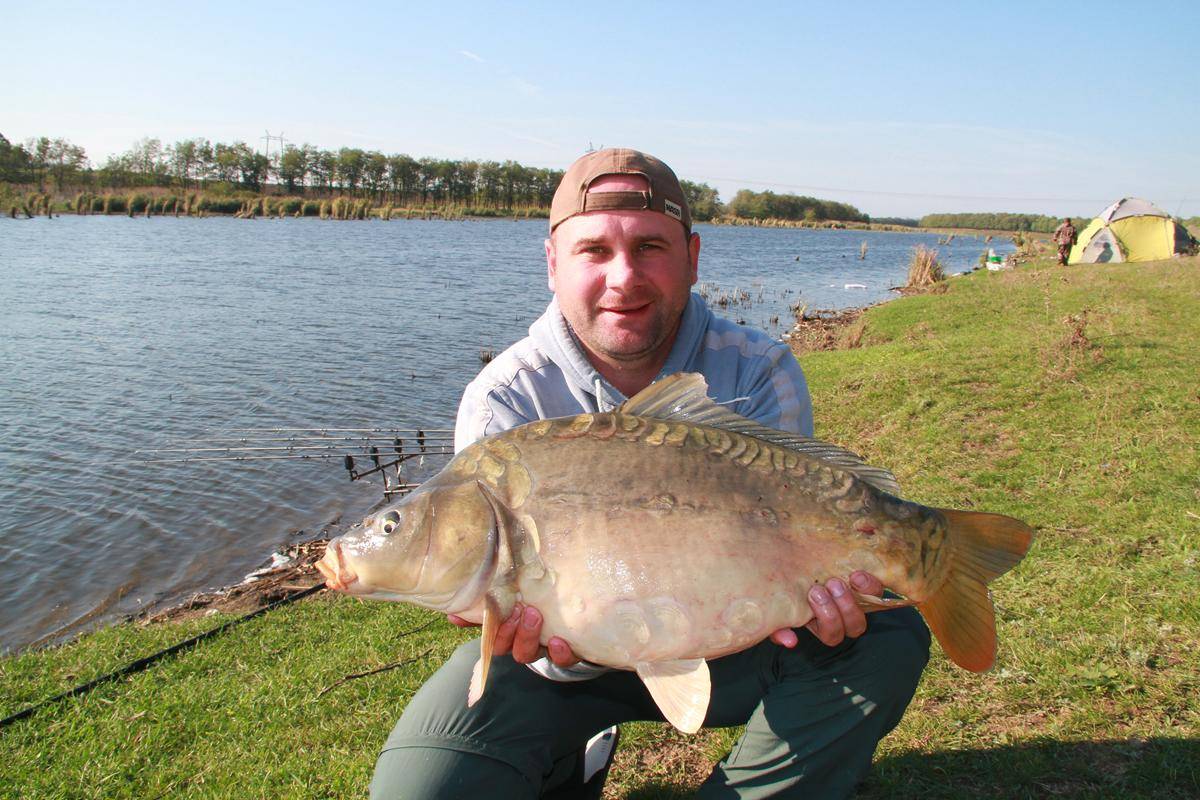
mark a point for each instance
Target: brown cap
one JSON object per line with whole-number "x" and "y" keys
{"x": 665, "y": 195}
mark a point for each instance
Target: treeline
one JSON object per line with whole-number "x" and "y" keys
{"x": 234, "y": 174}
{"x": 198, "y": 164}
{"x": 1036, "y": 223}
{"x": 769, "y": 205}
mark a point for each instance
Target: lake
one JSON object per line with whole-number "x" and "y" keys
{"x": 120, "y": 335}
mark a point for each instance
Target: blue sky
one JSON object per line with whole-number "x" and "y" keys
{"x": 1049, "y": 108}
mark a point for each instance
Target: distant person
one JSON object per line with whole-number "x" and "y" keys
{"x": 621, "y": 261}
{"x": 1064, "y": 237}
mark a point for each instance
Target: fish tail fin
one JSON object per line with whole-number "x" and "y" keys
{"x": 981, "y": 548}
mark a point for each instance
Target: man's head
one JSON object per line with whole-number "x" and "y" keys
{"x": 621, "y": 260}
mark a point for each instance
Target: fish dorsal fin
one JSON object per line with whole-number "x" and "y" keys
{"x": 684, "y": 397}
{"x": 680, "y": 688}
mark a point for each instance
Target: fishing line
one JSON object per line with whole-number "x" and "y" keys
{"x": 142, "y": 663}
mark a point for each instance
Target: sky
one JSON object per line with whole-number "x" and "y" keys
{"x": 899, "y": 109}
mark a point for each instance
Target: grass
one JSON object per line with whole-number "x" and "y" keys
{"x": 1064, "y": 396}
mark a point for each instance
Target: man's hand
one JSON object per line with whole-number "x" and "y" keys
{"x": 521, "y": 634}
{"x": 836, "y": 615}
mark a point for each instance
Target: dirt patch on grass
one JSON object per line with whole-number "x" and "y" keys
{"x": 938, "y": 287}
{"x": 1074, "y": 349}
{"x": 826, "y": 330}
{"x": 294, "y": 572}
{"x": 673, "y": 765}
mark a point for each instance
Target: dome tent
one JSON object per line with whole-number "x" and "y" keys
{"x": 1130, "y": 229}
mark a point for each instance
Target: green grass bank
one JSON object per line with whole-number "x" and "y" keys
{"x": 1068, "y": 397}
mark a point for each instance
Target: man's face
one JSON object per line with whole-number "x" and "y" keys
{"x": 622, "y": 278}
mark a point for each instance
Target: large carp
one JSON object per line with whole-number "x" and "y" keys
{"x": 667, "y": 532}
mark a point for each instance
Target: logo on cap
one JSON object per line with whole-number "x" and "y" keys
{"x": 672, "y": 210}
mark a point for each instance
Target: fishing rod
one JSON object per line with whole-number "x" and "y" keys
{"x": 291, "y": 448}
{"x": 296, "y": 444}
{"x": 349, "y": 439}
{"x": 292, "y": 457}
{"x": 415, "y": 431}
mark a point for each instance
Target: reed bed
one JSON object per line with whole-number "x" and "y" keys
{"x": 241, "y": 205}
{"x": 924, "y": 269}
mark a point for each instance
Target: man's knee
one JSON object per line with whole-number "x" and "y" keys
{"x": 411, "y": 773}
{"x": 897, "y": 648}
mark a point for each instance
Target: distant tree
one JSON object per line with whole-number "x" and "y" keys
{"x": 375, "y": 169}
{"x": 993, "y": 221}
{"x": 466, "y": 182}
{"x": 15, "y": 164}
{"x": 66, "y": 162}
{"x": 769, "y": 205}
{"x": 253, "y": 168}
{"x": 703, "y": 200}
{"x": 226, "y": 160}
{"x": 322, "y": 166}
{"x": 147, "y": 161}
{"x": 39, "y": 158}
{"x": 293, "y": 167}
{"x": 186, "y": 160}
{"x": 402, "y": 177}
{"x": 350, "y": 164}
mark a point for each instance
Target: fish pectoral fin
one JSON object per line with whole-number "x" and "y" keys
{"x": 680, "y": 688}
{"x": 492, "y": 617}
{"x": 869, "y": 602}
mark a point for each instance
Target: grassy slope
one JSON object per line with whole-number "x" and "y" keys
{"x": 984, "y": 397}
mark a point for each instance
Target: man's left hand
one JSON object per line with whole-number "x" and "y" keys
{"x": 836, "y": 613}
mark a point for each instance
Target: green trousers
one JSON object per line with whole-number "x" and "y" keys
{"x": 813, "y": 716}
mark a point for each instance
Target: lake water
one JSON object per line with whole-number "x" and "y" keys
{"x": 119, "y": 335}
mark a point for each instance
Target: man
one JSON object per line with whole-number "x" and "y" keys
{"x": 1064, "y": 237}
{"x": 621, "y": 260}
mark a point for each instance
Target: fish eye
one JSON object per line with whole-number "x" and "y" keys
{"x": 389, "y": 521}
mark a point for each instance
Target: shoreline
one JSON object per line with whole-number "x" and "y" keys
{"x": 443, "y": 215}
{"x": 344, "y": 208}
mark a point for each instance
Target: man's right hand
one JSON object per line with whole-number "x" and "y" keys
{"x": 521, "y": 635}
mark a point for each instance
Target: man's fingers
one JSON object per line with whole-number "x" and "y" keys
{"x": 507, "y": 631}
{"x": 560, "y": 652}
{"x": 854, "y": 621}
{"x": 526, "y": 643}
{"x": 865, "y": 583}
{"x": 827, "y": 621}
{"x": 785, "y": 637}
{"x": 456, "y": 620}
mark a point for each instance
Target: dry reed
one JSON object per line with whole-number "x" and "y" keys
{"x": 924, "y": 269}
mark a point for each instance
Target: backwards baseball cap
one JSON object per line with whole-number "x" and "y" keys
{"x": 664, "y": 194}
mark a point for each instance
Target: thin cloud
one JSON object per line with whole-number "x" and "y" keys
{"x": 512, "y": 82}
{"x": 525, "y": 87}
{"x": 535, "y": 140}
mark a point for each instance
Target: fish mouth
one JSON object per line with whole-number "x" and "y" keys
{"x": 332, "y": 565}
